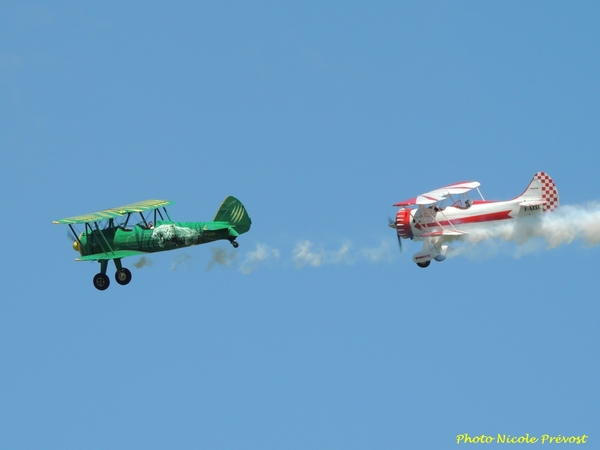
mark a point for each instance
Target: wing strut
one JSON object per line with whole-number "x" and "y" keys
{"x": 449, "y": 221}
{"x": 76, "y": 237}
{"x": 104, "y": 238}
{"x": 127, "y": 220}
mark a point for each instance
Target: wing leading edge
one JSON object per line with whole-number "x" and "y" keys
{"x": 440, "y": 194}
{"x": 111, "y": 213}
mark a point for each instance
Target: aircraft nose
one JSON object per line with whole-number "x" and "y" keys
{"x": 76, "y": 246}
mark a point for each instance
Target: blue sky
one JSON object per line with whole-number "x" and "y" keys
{"x": 318, "y": 117}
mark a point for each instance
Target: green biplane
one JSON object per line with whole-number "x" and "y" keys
{"x": 108, "y": 234}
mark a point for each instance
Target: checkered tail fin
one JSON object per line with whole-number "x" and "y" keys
{"x": 542, "y": 188}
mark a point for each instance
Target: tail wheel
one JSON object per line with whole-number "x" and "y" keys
{"x": 101, "y": 281}
{"x": 123, "y": 276}
{"x": 424, "y": 264}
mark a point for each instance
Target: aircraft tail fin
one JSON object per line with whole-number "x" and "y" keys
{"x": 232, "y": 211}
{"x": 542, "y": 191}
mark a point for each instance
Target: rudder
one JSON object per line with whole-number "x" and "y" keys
{"x": 542, "y": 188}
{"x": 234, "y": 212}
{"x": 549, "y": 191}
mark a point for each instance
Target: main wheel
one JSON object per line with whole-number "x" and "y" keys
{"x": 101, "y": 281}
{"x": 424, "y": 264}
{"x": 123, "y": 276}
{"x": 235, "y": 244}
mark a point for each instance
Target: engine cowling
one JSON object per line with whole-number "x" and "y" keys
{"x": 403, "y": 223}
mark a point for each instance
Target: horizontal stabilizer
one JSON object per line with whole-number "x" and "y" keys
{"x": 215, "y": 226}
{"x": 532, "y": 203}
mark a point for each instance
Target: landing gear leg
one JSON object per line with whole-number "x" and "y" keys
{"x": 101, "y": 280}
{"x": 122, "y": 275}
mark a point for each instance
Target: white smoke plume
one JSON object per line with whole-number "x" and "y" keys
{"x": 568, "y": 224}
{"x": 143, "y": 262}
{"x": 384, "y": 253}
{"x": 304, "y": 255}
{"x": 254, "y": 258}
{"x": 222, "y": 257}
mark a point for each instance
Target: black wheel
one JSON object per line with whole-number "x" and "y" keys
{"x": 123, "y": 276}
{"x": 101, "y": 281}
{"x": 424, "y": 264}
{"x": 235, "y": 244}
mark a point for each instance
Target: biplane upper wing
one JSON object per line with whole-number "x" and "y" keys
{"x": 440, "y": 194}
{"x": 111, "y": 213}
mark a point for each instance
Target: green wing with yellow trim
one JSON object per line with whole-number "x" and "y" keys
{"x": 111, "y": 213}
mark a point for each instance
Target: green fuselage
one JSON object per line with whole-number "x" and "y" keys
{"x": 164, "y": 236}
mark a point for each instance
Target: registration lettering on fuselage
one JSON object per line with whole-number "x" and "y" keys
{"x": 532, "y": 208}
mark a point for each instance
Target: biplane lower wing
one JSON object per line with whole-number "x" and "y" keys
{"x": 532, "y": 203}
{"x": 111, "y": 255}
{"x": 444, "y": 233}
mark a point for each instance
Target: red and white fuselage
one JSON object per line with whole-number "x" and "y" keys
{"x": 426, "y": 218}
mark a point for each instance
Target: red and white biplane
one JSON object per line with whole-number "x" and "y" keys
{"x": 448, "y": 213}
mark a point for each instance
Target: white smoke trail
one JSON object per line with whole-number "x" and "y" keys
{"x": 254, "y": 258}
{"x": 568, "y": 224}
{"x": 305, "y": 255}
{"x": 385, "y": 252}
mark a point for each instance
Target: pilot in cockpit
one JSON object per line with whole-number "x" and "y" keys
{"x": 466, "y": 204}
{"x": 146, "y": 226}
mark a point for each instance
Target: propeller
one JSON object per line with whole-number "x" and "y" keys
{"x": 74, "y": 241}
{"x": 392, "y": 224}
